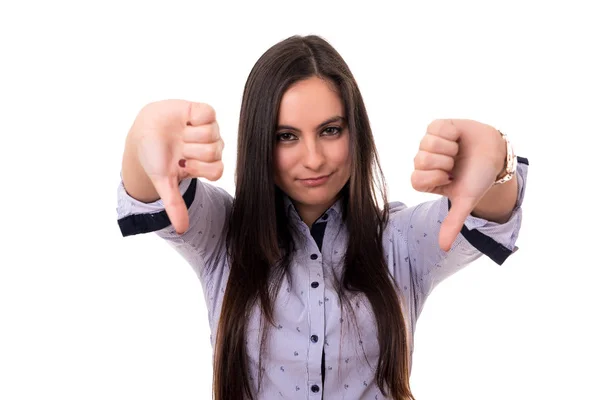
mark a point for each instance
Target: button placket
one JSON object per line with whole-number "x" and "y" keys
{"x": 317, "y": 322}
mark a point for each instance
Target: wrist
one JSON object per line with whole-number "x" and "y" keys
{"x": 501, "y": 162}
{"x": 509, "y": 161}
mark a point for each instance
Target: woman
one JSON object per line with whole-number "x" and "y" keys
{"x": 313, "y": 287}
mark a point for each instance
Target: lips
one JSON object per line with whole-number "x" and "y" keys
{"x": 315, "y": 181}
{"x": 315, "y": 178}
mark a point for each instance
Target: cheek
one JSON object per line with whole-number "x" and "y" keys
{"x": 345, "y": 157}
{"x": 282, "y": 163}
{"x": 342, "y": 156}
{"x": 346, "y": 167}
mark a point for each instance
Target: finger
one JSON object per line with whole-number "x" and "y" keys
{"x": 429, "y": 181}
{"x": 425, "y": 160}
{"x": 454, "y": 221}
{"x": 211, "y": 171}
{"x": 200, "y": 114}
{"x": 465, "y": 125}
{"x": 444, "y": 128}
{"x": 438, "y": 145}
{"x": 168, "y": 190}
{"x": 208, "y": 133}
{"x": 203, "y": 152}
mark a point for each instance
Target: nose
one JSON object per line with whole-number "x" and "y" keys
{"x": 314, "y": 158}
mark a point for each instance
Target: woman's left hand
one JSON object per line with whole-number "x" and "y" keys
{"x": 459, "y": 159}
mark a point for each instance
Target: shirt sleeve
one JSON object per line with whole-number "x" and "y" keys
{"x": 208, "y": 209}
{"x": 417, "y": 233}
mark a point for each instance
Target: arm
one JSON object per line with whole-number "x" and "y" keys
{"x": 162, "y": 134}
{"x": 418, "y": 258}
{"x": 498, "y": 202}
{"x": 209, "y": 208}
{"x": 460, "y": 160}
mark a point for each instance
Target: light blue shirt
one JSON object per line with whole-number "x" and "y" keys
{"x": 306, "y": 310}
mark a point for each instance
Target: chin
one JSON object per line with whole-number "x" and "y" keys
{"x": 315, "y": 197}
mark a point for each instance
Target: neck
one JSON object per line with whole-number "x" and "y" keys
{"x": 309, "y": 213}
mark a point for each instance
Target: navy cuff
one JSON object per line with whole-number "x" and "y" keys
{"x": 143, "y": 223}
{"x": 485, "y": 244}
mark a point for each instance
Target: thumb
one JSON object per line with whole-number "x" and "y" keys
{"x": 168, "y": 190}
{"x": 454, "y": 221}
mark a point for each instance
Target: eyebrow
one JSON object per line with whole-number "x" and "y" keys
{"x": 321, "y": 125}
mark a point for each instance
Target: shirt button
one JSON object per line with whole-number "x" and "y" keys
{"x": 313, "y": 256}
{"x": 315, "y": 284}
{"x": 314, "y": 338}
{"x": 314, "y": 388}
{"x": 325, "y": 216}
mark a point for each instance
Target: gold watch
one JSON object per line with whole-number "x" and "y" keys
{"x": 510, "y": 164}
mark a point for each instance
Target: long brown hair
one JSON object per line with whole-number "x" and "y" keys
{"x": 259, "y": 253}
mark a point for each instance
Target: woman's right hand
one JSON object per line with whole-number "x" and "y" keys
{"x": 177, "y": 139}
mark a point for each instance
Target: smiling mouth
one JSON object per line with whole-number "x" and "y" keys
{"x": 315, "y": 178}
{"x": 316, "y": 181}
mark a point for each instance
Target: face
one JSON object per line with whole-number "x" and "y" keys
{"x": 312, "y": 162}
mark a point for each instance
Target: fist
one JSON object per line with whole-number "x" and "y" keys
{"x": 459, "y": 159}
{"x": 434, "y": 161}
{"x": 177, "y": 139}
{"x": 202, "y": 148}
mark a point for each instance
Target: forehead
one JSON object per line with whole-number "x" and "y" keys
{"x": 309, "y": 102}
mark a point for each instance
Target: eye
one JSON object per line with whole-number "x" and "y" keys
{"x": 285, "y": 137}
{"x": 332, "y": 130}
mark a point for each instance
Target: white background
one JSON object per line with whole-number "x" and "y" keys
{"x": 88, "y": 314}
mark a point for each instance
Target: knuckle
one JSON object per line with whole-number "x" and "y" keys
{"x": 416, "y": 161}
{"x": 187, "y": 150}
{"x": 416, "y": 181}
{"x": 209, "y": 174}
{"x": 201, "y": 134}
{"x": 437, "y": 144}
{"x": 428, "y": 142}
{"x": 455, "y": 148}
{"x": 148, "y": 107}
{"x": 431, "y": 125}
{"x": 422, "y": 159}
{"x": 215, "y": 171}
{"x": 213, "y": 153}
{"x": 208, "y": 111}
{"x": 215, "y": 132}
{"x": 434, "y": 126}
{"x": 211, "y": 111}
{"x": 426, "y": 157}
{"x": 211, "y": 133}
{"x": 204, "y": 133}
{"x": 450, "y": 163}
